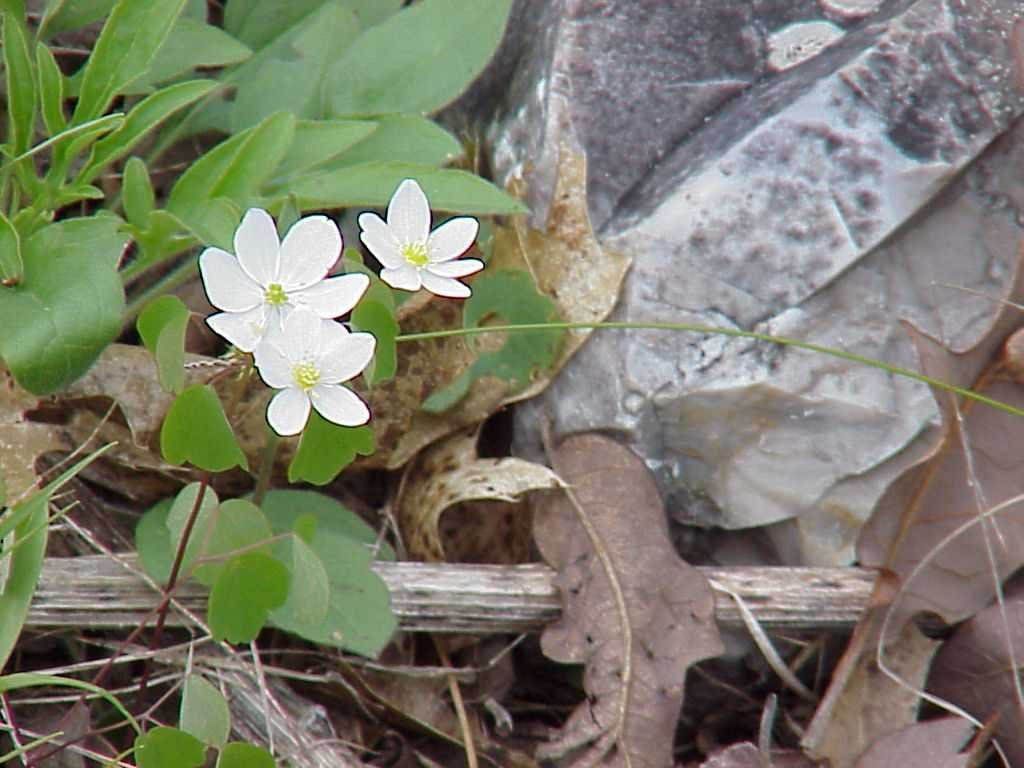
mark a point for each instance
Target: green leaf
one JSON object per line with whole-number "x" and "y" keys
{"x": 72, "y": 14}
{"x": 204, "y": 712}
{"x": 197, "y": 431}
{"x": 21, "y": 85}
{"x": 257, "y": 23}
{"x": 249, "y": 587}
{"x": 418, "y": 60}
{"x": 27, "y": 526}
{"x": 138, "y": 197}
{"x": 372, "y": 12}
{"x": 308, "y": 590}
{"x": 67, "y": 307}
{"x": 288, "y": 74}
{"x": 325, "y": 449}
{"x": 153, "y": 541}
{"x": 512, "y": 297}
{"x": 12, "y": 268}
{"x": 178, "y": 514}
{"x": 405, "y": 139}
{"x": 317, "y": 141}
{"x": 191, "y": 43}
{"x": 238, "y": 754}
{"x": 378, "y": 319}
{"x": 373, "y": 184}
{"x": 128, "y": 42}
{"x": 164, "y": 747}
{"x": 162, "y": 325}
{"x": 235, "y": 525}
{"x": 144, "y": 117}
{"x": 51, "y": 90}
{"x": 234, "y": 169}
{"x": 359, "y": 616}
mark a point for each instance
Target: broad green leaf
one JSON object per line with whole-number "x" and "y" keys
{"x": 204, "y": 712}
{"x": 249, "y": 587}
{"x": 67, "y": 307}
{"x": 373, "y": 184}
{"x": 284, "y": 509}
{"x": 235, "y": 525}
{"x": 164, "y": 747}
{"x": 288, "y": 74}
{"x": 308, "y": 590}
{"x": 144, "y": 117}
{"x": 191, "y": 43}
{"x": 137, "y": 194}
{"x": 418, "y": 60}
{"x": 372, "y": 12}
{"x": 213, "y": 223}
{"x": 26, "y": 547}
{"x": 21, "y": 85}
{"x": 72, "y": 14}
{"x": 378, "y": 319}
{"x": 325, "y": 449}
{"x": 238, "y": 754}
{"x": 197, "y": 431}
{"x": 359, "y": 616}
{"x": 12, "y": 268}
{"x": 317, "y": 141}
{"x": 51, "y": 91}
{"x": 512, "y": 297}
{"x": 162, "y": 326}
{"x": 405, "y": 139}
{"x": 153, "y": 541}
{"x": 128, "y": 42}
{"x": 235, "y": 168}
{"x": 180, "y": 510}
{"x": 257, "y": 23}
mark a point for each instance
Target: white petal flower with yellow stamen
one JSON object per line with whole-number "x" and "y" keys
{"x": 412, "y": 256}
{"x": 308, "y": 361}
{"x": 265, "y": 279}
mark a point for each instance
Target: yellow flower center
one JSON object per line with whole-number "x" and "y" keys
{"x": 415, "y": 254}
{"x": 306, "y": 375}
{"x": 275, "y": 295}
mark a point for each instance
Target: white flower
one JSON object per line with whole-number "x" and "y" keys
{"x": 412, "y": 255}
{"x": 308, "y": 361}
{"x": 265, "y": 279}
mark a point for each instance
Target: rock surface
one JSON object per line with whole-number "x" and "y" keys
{"x": 796, "y": 167}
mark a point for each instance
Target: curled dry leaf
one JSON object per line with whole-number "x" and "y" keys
{"x": 932, "y": 744}
{"x": 747, "y": 755}
{"x": 568, "y": 265}
{"x": 634, "y": 613}
{"x": 450, "y": 473}
{"x": 976, "y": 671}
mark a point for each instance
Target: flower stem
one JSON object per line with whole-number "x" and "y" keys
{"x": 711, "y": 329}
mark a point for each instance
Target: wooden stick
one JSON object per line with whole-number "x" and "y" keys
{"x": 98, "y": 592}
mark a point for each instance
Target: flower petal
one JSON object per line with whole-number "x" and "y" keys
{"x": 334, "y": 296}
{"x": 243, "y": 329}
{"x": 445, "y": 286}
{"x": 346, "y": 358}
{"x": 340, "y": 405}
{"x": 227, "y": 286}
{"x": 273, "y": 365}
{"x": 459, "y": 268}
{"x": 257, "y": 246}
{"x": 380, "y": 240}
{"x": 405, "y": 278}
{"x": 452, "y": 239}
{"x": 409, "y": 213}
{"x": 309, "y": 250}
{"x": 288, "y": 412}
{"x": 300, "y": 335}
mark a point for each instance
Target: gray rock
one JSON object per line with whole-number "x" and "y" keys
{"x": 794, "y": 167}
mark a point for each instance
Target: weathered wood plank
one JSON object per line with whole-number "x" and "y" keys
{"x": 97, "y": 592}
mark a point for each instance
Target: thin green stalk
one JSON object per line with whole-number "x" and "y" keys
{"x": 711, "y": 329}
{"x": 266, "y": 466}
{"x": 180, "y": 275}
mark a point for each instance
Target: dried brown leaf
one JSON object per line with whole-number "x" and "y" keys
{"x": 450, "y": 473}
{"x": 975, "y": 670}
{"x": 747, "y": 755}
{"x": 634, "y": 613}
{"x": 21, "y": 440}
{"x": 932, "y": 744}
